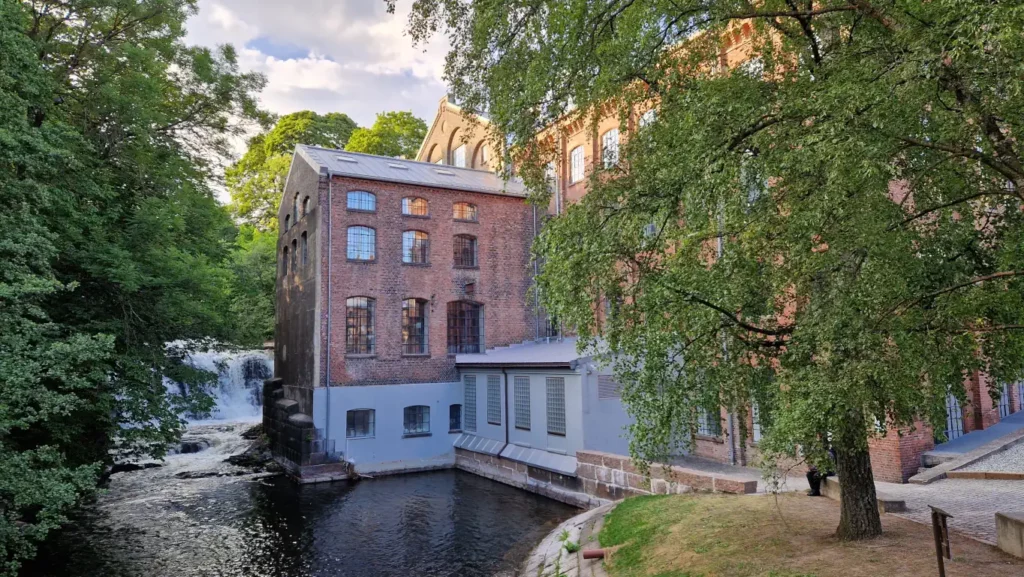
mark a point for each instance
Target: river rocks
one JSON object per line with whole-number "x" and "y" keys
{"x": 253, "y": 433}
{"x": 257, "y": 458}
{"x": 128, "y": 467}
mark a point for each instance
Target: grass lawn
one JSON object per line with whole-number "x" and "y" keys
{"x": 759, "y": 536}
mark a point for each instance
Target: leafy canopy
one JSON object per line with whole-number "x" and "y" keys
{"x": 861, "y": 170}
{"x": 397, "y": 134}
{"x": 256, "y": 181}
{"x": 111, "y": 242}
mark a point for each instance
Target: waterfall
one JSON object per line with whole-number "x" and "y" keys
{"x": 238, "y": 394}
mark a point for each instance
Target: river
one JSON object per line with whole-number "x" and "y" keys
{"x": 198, "y": 516}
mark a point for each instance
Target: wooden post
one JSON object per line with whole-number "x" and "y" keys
{"x": 940, "y": 530}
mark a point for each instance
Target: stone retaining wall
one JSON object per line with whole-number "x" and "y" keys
{"x": 612, "y": 477}
{"x": 553, "y": 485}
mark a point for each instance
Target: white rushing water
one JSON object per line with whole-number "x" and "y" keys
{"x": 238, "y": 394}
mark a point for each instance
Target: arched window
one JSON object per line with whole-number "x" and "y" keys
{"x": 576, "y": 165}
{"x": 415, "y": 206}
{"x": 362, "y": 243}
{"x": 414, "y": 327}
{"x": 359, "y": 423}
{"x": 359, "y": 200}
{"x": 287, "y": 222}
{"x": 417, "y": 420}
{"x": 430, "y": 154}
{"x": 295, "y": 208}
{"x": 465, "y": 250}
{"x": 415, "y": 247}
{"x": 359, "y": 318}
{"x": 610, "y": 148}
{"x": 465, "y": 328}
{"x": 295, "y": 255}
{"x": 459, "y": 156}
{"x": 305, "y": 206}
{"x": 464, "y": 211}
{"x": 284, "y": 262}
{"x": 305, "y": 249}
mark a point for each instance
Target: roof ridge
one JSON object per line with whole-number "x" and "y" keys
{"x": 397, "y": 159}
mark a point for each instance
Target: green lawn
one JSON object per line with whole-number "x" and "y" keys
{"x": 759, "y": 536}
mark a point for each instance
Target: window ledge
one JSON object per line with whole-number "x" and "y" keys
{"x": 518, "y": 428}
{"x": 419, "y": 264}
{"x": 423, "y": 216}
{"x": 556, "y": 434}
{"x": 718, "y": 440}
{"x": 361, "y": 356}
{"x": 414, "y": 435}
{"x": 416, "y": 355}
{"x": 477, "y": 221}
{"x": 467, "y": 267}
{"x": 359, "y": 438}
{"x": 362, "y": 210}
{"x": 361, "y": 260}
{"x": 454, "y": 431}
{"x": 493, "y": 423}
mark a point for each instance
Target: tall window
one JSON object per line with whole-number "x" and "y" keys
{"x": 556, "y": 405}
{"x": 610, "y": 148}
{"x": 295, "y": 208}
{"x": 521, "y": 396}
{"x": 464, "y": 211}
{"x": 295, "y": 255}
{"x": 469, "y": 398}
{"x": 362, "y": 243}
{"x": 359, "y": 423}
{"x": 358, "y": 200}
{"x": 359, "y": 318}
{"x": 576, "y": 164}
{"x": 709, "y": 421}
{"x": 454, "y": 418}
{"x": 465, "y": 250}
{"x": 414, "y": 327}
{"x": 305, "y": 249}
{"x": 417, "y": 420}
{"x": 485, "y": 154}
{"x": 305, "y": 206}
{"x": 459, "y": 156}
{"x": 465, "y": 329}
{"x": 413, "y": 206}
{"x": 415, "y": 247}
{"x": 493, "y": 400}
{"x": 648, "y": 118}
{"x": 284, "y": 262}
{"x": 287, "y": 222}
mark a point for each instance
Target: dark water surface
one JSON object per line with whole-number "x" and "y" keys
{"x": 425, "y": 524}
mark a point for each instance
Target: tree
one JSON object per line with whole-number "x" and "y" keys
{"x": 112, "y": 243}
{"x": 253, "y": 264}
{"x": 256, "y": 181}
{"x": 397, "y": 134}
{"x": 860, "y": 172}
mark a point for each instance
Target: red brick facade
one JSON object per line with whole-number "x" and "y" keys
{"x": 500, "y": 283}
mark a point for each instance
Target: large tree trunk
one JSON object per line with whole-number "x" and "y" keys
{"x": 858, "y": 518}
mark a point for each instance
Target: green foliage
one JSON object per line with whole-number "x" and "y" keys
{"x": 397, "y": 134}
{"x": 871, "y": 303}
{"x": 111, "y": 242}
{"x": 256, "y": 181}
{"x": 634, "y": 524}
{"x": 253, "y": 265}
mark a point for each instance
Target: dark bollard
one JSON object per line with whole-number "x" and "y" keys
{"x": 941, "y": 531}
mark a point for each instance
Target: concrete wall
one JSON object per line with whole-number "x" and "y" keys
{"x": 537, "y": 437}
{"x": 604, "y": 419}
{"x": 389, "y": 450}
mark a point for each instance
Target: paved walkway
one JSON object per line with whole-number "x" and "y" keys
{"x": 972, "y": 503}
{"x": 975, "y": 439}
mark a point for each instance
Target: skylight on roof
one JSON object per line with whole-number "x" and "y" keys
{"x": 398, "y": 166}
{"x": 346, "y": 159}
{"x": 444, "y": 172}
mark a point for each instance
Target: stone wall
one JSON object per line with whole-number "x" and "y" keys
{"x": 611, "y": 477}
{"x": 553, "y": 485}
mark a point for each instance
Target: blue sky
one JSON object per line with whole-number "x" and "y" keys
{"x": 327, "y": 55}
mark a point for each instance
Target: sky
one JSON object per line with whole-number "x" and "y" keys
{"x": 346, "y": 56}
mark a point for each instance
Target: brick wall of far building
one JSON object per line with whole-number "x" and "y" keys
{"x": 501, "y": 282}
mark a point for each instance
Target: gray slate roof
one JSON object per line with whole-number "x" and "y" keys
{"x": 388, "y": 169}
{"x": 554, "y": 353}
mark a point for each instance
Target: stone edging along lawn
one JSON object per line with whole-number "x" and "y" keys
{"x": 751, "y": 536}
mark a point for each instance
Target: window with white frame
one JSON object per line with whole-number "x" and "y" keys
{"x": 521, "y": 396}
{"x": 556, "y": 405}
{"x": 610, "y": 148}
{"x": 576, "y": 164}
{"x": 469, "y": 395}
{"x": 359, "y": 423}
{"x": 459, "y": 156}
{"x": 755, "y": 421}
{"x": 493, "y": 399}
{"x": 648, "y": 118}
{"x": 417, "y": 420}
